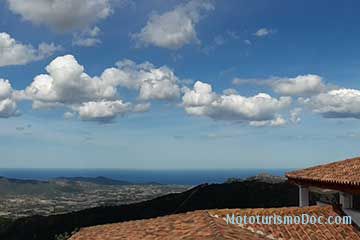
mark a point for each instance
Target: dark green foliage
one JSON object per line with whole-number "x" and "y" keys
{"x": 233, "y": 180}
{"x": 65, "y": 236}
{"x": 4, "y": 224}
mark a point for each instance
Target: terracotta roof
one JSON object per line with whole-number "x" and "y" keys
{"x": 211, "y": 224}
{"x": 295, "y": 231}
{"x": 192, "y": 225}
{"x": 346, "y": 172}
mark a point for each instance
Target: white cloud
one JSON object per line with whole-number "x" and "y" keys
{"x": 302, "y": 85}
{"x": 259, "y": 107}
{"x": 201, "y": 101}
{"x": 175, "y": 28}
{"x": 106, "y": 110}
{"x": 196, "y": 100}
{"x": 295, "y": 115}
{"x": 5, "y": 89}
{"x": 67, "y": 83}
{"x": 262, "y": 32}
{"x": 69, "y": 115}
{"x": 8, "y": 107}
{"x": 155, "y": 89}
{"x": 13, "y": 52}
{"x": 277, "y": 122}
{"x": 340, "y": 103}
{"x": 230, "y": 91}
{"x": 141, "y": 107}
{"x": 46, "y": 105}
{"x": 102, "y": 110}
{"x": 153, "y": 83}
{"x": 62, "y": 15}
{"x": 87, "y": 38}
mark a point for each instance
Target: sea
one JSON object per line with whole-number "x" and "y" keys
{"x": 178, "y": 177}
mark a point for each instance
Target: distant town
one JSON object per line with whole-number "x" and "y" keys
{"x": 27, "y": 198}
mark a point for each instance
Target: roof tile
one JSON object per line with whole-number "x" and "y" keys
{"x": 346, "y": 172}
{"x": 211, "y": 224}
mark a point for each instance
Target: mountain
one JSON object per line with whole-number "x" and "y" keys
{"x": 56, "y": 186}
{"x": 96, "y": 180}
{"x": 265, "y": 177}
{"x": 9, "y": 186}
{"x": 243, "y": 194}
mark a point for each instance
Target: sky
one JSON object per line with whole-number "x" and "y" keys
{"x": 199, "y": 84}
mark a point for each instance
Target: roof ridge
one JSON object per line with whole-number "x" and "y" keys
{"x": 324, "y": 164}
{"x": 213, "y": 225}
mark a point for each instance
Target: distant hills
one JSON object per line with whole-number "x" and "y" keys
{"x": 262, "y": 177}
{"x": 96, "y": 180}
{"x": 10, "y": 186}
{"x": 251, "y": 193}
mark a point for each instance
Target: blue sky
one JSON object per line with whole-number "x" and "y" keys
{"x": 226, "y": 84}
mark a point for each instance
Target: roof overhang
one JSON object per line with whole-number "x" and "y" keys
{"x": 353, "y": 189}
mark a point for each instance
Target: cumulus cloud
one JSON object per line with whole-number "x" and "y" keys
{"x": 62, "y": 15}
{"x": 339, "y": 103}
{"x": 276, "y": 122}
{"x": 196, "y": 101}
{"x": 46, "y": 105}
{"x": 301, "y": 85}
{"x": 13, "y": 52}
{"x": 153, "y": 83}
{"x": 155, "y": 89}
{"x": 229, "y": 91}
{"x": 67, "y": 83}
{"x": 87, "y": 38}
{"x": 141, "y": 107}
{"x": 175, "y": 28}
{"x": 202, "y": 101}
{"x": 103, "y": 110}
{"x": 5, "y": 89}
{"x": 8, "y": 107}
{"x": 262, "y": 32}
